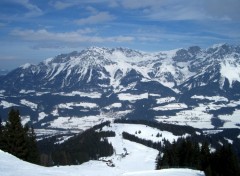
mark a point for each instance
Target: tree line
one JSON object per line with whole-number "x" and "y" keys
{"x": 175, "y": 129}
{"x": 185, "y": 153}
{"x": 148, "y": 143}
{"x": 88, "y": 145}
{"x": 17, "y": 139}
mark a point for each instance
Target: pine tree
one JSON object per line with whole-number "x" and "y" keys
{"x": 16, "y": 135}
{"x": 17, "y": 139}
{"x": 1, "y": 133}
{"x": 205, "y": 156}
{"x": 225, "y": 162}
{"x": 33, "y": 154}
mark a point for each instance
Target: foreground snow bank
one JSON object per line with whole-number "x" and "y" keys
{"x": 167, "y": 172}
{"x": 10, "y": 165}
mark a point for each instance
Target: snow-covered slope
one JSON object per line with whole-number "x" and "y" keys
{"x": 10, "y": 165}
{"x": 129, "y": 158}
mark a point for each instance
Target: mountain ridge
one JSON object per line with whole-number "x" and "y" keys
{"x": 184, "y": 86}
{"x": 168, "y": 68}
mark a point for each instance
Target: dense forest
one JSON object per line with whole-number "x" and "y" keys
{"x": 78, "y": 149}
{"x": 148, "y": 143}
{"x": 185, "y": 153}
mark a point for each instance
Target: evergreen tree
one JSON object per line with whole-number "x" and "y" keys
{"x": 1, "y": 133}
{"x": 205, "y": 156}
{"x": 17, "y": 139}
{"x": 0, "y": 125}
{"x": 16, "y": 135}
{"x": 33, "y": 155}
{"x": 224, "y": 162}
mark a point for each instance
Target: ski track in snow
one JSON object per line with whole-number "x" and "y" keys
{"x": 125, "y": 157}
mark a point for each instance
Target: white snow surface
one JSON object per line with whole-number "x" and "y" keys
{"x": 196, "y": 117}
{"x": 165, "y": 100}
{"x": 171, "y": 106}
{"x": 213, "y": 98}
{"x": 29, "y": 104}
{"x": 25, "y": 66}
{"x": 23, "y": 91}
{"x": 10, "y": 165}
{"x": 114, "y": 105}
{"x": 230, "y": 70}
{"x": 42, "y": 115}
{"x": 6, "y": 104}
{"x": 82, "y": 94}
{"x": 80, "y": 104}
{"x": 142, "y": 131}
{"x": 132, "y": 97}
{"x": 167, "y": 172}
{"x": 231, "y": 121}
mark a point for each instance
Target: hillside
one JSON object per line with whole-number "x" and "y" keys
{"x": 10, "y": 165}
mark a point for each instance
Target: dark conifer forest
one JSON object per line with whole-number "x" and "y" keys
{"x": 187, "y": 154}
{"x": 18, "y": 140}
{"x": 78, "y": 149}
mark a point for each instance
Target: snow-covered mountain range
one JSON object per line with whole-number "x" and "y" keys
{"x": 194, "y": 86}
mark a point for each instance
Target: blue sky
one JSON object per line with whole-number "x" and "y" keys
{"x": 33, "y": 30}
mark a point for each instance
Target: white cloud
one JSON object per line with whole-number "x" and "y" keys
{"x": 185, "y": 9}
{"x": 100, "y": 17}
{"x": 33, "y": 10}
{"x": 60, "y": 5}
{"x": 80, "y": 36}
{"x": 136, "y": 4}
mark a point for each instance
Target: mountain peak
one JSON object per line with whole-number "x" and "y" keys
{"x": 26, "y": 66}
{"x": 219, "y": 45}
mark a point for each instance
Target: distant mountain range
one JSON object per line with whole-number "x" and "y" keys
{"x": 194, "y": 86}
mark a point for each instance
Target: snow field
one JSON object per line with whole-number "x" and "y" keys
{"x": 81, "y": 123}
{"x": 114, "y": 105}
{"x": 197, "y": 118}
{"x": 231, "y": 121}
{"x": 142, "y": 131}
{"x": 171, "y": 106}
{"x": 230, "y": 70}
{"x": 6, "y": 104}
{"x": 81, "y": 104}
{"x": 82, "y": 94}
{"x": 131, "y": 97}
{"x": 167, "y": 172}
{"x": 165, "y": 100}
{"x": 213, "y": 98}
{"x": 41, "y": 116}
{"x": 29, "y": 104}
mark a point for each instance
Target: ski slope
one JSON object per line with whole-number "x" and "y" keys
{"x": 12, "y": 166}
